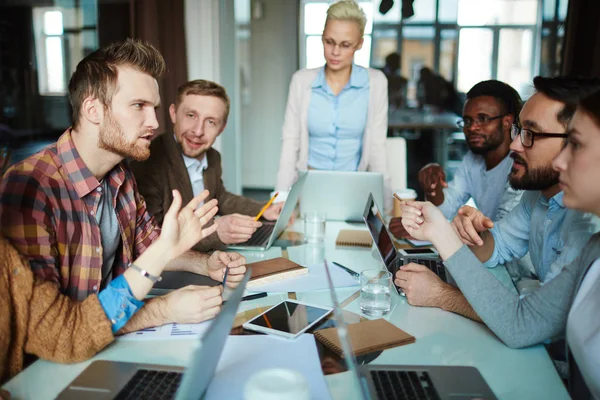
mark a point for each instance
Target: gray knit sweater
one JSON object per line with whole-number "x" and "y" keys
{"x": 526, "y": 321}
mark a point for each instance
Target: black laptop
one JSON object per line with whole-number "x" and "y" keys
{"x": 386, "y": 249}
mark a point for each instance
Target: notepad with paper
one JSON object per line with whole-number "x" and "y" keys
{"x": 354, "y": 238}
{"x": 366, "y": 337}
{"x": 274, "y": 270}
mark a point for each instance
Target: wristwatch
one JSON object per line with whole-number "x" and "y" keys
{"x": 145, "y": 273}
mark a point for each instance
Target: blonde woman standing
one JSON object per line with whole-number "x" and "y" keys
{"x": 336, "y": 115}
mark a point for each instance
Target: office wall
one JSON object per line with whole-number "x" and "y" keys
{"x": 273, "y": 53}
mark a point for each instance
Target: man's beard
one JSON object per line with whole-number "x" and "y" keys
{"x": 490, "y": 143}
{"x": 112, "y": 138}
{"x": 540, "y": 178}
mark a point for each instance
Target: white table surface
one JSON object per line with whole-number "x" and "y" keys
{"x": 443, "y": 338}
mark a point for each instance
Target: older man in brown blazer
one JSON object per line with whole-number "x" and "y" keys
{"x": 187, "y": 162}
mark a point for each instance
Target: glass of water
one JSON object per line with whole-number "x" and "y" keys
{"x": 375, "y": 292}
{"x": 314, "y": 226}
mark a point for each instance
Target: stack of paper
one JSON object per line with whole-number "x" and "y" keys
{"x": 169, "y": 331}
{"x": 243, "y": 356}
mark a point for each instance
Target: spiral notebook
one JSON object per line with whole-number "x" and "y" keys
{"x": 354, "y": 238}
{"x": 366, "y": 337}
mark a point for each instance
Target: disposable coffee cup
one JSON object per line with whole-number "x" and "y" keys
{"x": 277, "y": 384}
{"x": 405, "y": 195}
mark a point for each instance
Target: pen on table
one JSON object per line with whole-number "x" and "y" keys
{"x": 348, "y": 270}
{"x": 254, "y": 296}
{"x": 265, "y": 207}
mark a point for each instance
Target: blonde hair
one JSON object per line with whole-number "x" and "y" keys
{"x": 347, "y": 10}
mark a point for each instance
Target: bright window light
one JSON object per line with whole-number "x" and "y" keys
{"x": 53, "y": 23}
{"x": 314, "y": 18}
{"x": 54, "y": 65}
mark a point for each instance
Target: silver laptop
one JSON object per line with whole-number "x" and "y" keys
{"x": 123, "y": 380}
{"x": 264, "y": 236}
{"x": 384, "y": 243}
{"x": 340, "y": 195}
{"x": 417, "y": 382}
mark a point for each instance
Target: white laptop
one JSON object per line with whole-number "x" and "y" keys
{"x": 418, "y": 382}
{"x": 123, "y": 380}
{"x": 341, "y": 195}
{"x": 264, "y": 236}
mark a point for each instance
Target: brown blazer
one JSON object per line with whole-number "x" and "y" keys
{"x": 35, "y": 318}
{"x": 165, "y": 171}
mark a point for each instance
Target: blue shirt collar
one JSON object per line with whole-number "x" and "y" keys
{"x": 359, "y": 77}
{"x": 555, "y": 201}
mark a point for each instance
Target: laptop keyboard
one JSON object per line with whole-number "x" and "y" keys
{"x": 151, "y": 384}
{"x": 403, "y": 385}
{"x": 261, "y": 236}
{"x": 435, "y": 265}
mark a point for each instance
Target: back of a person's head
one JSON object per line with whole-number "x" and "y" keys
{"x": 347, "y": 10}
{"x": 96, "y": 75}
{"x": 505, "y": 94}
{"x": 393, "y": 60}
{"x": 591, "y": 105}
{"x": 201, "y": 87}
{"x": 569, "y": 90}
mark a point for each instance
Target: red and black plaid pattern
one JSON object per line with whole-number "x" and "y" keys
{"x": 47, "y": 208}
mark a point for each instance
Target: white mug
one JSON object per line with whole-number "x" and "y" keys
{"x": 276, "y": 384}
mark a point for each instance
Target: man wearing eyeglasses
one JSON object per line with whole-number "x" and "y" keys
{"x": 490, "y": 110}
{"x": 540, "y": 224}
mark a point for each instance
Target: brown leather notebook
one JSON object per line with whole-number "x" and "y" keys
{"x": 366, "y": 337}
{"x": 274, "y": 270}
{"x": 354, "y": 238}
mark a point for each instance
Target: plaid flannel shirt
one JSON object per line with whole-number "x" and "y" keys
{"x": 47, "y": 210}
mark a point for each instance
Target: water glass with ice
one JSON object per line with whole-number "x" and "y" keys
{"x": 375, "y": 292}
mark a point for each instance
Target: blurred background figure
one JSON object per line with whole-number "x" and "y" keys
{"x": 434, "y": 90}
{"x": 397, "y": 84}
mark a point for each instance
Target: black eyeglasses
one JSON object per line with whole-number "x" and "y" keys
{"x": 528, "y": 135}
{"x": 480, "y": 120}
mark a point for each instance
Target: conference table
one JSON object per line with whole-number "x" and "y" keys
{"x": 442, "y": 338}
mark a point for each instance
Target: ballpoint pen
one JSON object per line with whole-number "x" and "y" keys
{"x": 225, "y": 276}
{"x": 348, "y": 270}
{"x": 254, "y": 296}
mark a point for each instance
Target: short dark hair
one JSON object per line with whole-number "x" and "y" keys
{"x": 591, "y": 105}
{"x": 96, "y": 75}
{"x": 393, "y": 59}
{"x": 504, "y": 94}
{"x": 569, "y": 90}
{"x": 201, "y": 87}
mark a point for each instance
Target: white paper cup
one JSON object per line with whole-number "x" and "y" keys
{"x": 405, "y": 195}
{"x": 277, "y": 384}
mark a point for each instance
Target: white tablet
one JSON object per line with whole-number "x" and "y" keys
{"x": 289, "y": 318}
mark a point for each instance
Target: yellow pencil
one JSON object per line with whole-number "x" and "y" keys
{"x": 265, "y": 207}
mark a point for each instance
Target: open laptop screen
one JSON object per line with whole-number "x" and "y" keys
{"x": 382, "y": 238}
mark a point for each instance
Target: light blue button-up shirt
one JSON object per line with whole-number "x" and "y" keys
{"x": 336, "y": 124}
{"x": 195, "y": 169}
{"x": 489, "y": 189}
{"x": 118, "y": 302}
{"x": 553, "y": 234}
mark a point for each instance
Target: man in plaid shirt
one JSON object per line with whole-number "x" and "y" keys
{"x": 74, "y": 208}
